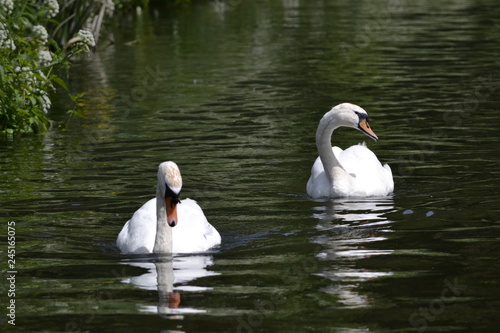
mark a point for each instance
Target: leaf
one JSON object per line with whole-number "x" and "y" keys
{"x": 60, "y": 82}
{"x": 32, "y": 100}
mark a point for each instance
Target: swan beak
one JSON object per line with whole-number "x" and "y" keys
{"x": 174, "y": 299}
{"x": 171, "y": 205}
{"x": 364, "y": 127}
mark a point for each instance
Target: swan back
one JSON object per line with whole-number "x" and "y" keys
{"x": 193, "y": 234}
{"x": 369, "y": 177}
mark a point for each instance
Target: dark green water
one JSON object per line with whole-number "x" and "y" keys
{"x": 233, "y": 92}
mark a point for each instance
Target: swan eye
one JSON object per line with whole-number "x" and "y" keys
{"x": 175, "y": 196}
{"x": 175, "y": 200}
{"x": 361, "y": 116}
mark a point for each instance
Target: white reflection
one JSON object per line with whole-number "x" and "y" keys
{"x": 349, "y": 228}
{"x": 291, "y": 13}
{"x": 169, "y": 276}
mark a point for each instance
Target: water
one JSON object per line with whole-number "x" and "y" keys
{"x": 233, "y": 93}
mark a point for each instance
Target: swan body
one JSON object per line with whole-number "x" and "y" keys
{"x": 354, "y": 172}
{"x": 167, "y": 225}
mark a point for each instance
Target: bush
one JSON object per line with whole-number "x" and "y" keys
{"x": 28, "y": 57}
{"x": 36, "y": 36}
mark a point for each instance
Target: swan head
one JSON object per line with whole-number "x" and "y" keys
{"x": 352, "y": 115}
{"x": 170, "y": 185}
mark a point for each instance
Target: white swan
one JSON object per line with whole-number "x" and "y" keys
{"x": 165, "y": 224}
{"x": 354, "y": 172}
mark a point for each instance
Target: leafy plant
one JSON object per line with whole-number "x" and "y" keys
{"x": 36, "y": 36}
{"x": 28, "y": 57}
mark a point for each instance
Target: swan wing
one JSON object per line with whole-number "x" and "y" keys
{"x": 193, "y": 233}
{"x": 318, "y": 185}
{"x": 138, "y": 234}
{"x": 370, "y": 177}
{"x": 358, "y": 160}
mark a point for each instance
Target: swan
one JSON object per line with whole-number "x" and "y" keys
{"x": 165, "y": 224}
{"x": 354, "y": 172}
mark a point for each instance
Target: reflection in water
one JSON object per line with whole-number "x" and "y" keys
{"x": 167, "y": 273}
{"x": 348, "y": 227}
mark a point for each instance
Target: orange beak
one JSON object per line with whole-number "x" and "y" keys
{"x": 365, "y": 128}
{"x": 171, "y": 211}
{"x": 174, "y": 299}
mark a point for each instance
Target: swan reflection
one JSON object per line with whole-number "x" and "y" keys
{"x": 348, "y": 230}
{"x": 170, "y": 275}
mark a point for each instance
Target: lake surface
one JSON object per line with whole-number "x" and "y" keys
{"x": 233, "y": 91}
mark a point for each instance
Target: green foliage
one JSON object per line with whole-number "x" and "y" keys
{"x": 91, "y": 14}
{"x": 36, "y": 36}
{"x": 74, "y": 15}
{"x": 77, "y": 101}
{"x": 27, "y": 61}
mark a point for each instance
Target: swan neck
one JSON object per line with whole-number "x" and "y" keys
{"x": 324, "y": 144}
{"x": 163, "y": 240}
